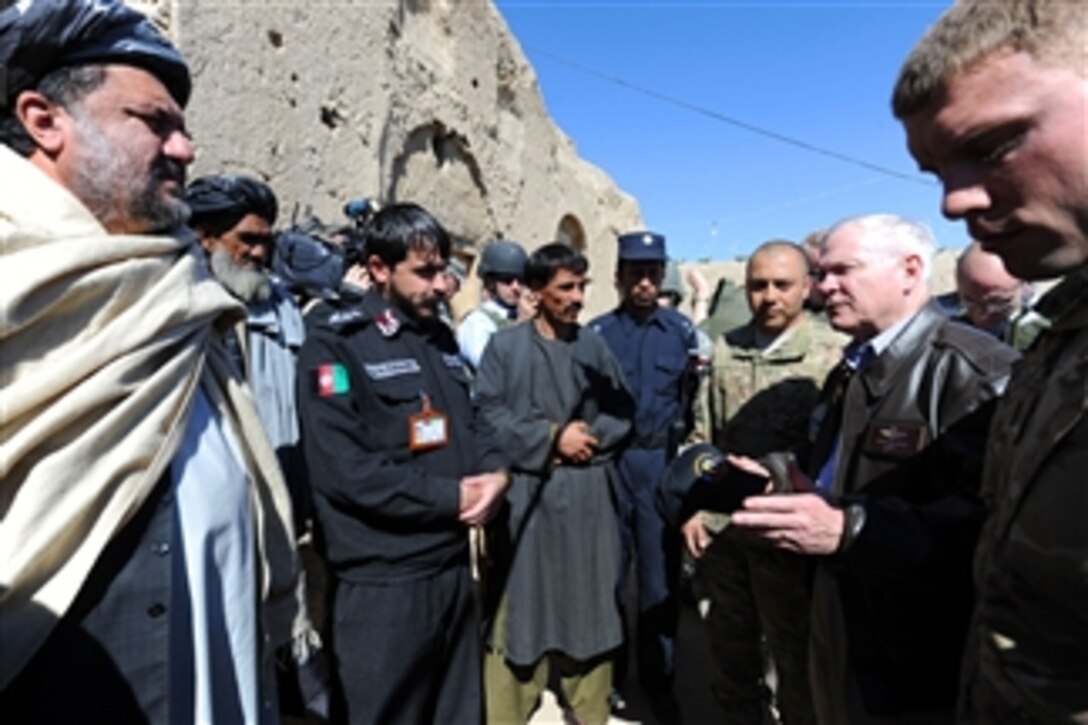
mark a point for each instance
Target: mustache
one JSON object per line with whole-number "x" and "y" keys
{"x": 167, "y": 169}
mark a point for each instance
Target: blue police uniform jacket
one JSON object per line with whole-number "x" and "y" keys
{"x": 654, "y": 356}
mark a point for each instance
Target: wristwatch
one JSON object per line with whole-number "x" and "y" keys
{"x": 852, "y": 524}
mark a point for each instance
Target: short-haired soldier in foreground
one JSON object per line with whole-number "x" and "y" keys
{"x": 399, "y": 473}
{"x": 994, "y": 99}
{"x": 147, "y": 564}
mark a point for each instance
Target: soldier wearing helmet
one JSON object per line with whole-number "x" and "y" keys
{"x": 502, "y": 271}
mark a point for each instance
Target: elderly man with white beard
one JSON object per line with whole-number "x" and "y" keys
{"x": 233, "y": 217}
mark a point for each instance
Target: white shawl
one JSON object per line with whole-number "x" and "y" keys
{"x": 103, "y": 339}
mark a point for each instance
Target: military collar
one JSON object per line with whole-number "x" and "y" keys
{"x": 387, "y": 319}
{"x": 792, "y": 345}
{"x": 909, "y": 337}
{"x": 1066, "y": 306}
{"x": 656, "y": 317}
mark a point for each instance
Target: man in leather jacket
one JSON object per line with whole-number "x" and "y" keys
{"x": 895, "y": 461}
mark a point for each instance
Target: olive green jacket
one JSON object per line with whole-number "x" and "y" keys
{"x": 757, "y": 401}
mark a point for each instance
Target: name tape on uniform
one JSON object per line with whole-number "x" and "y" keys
{"x": 391, "y": 368}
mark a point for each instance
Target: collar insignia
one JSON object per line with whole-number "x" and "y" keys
{"x": 387, "y": 323}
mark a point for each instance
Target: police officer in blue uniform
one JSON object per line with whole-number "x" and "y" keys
{"x": 400, "y": 472}
{"x": 655, "y": 347}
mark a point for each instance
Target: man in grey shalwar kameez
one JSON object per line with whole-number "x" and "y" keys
{"x": 555, "y": 396}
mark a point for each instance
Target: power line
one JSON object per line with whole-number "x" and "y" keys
{"x": 730, "y": 120}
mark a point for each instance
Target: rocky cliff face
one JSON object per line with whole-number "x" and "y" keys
{"x": 429, "y": 101}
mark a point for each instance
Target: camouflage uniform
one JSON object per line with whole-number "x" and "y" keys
{"x": 1027, "y": 651}
{"x": 760, "y": 401}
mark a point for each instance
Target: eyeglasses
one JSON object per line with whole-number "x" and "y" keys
{"x": 507, "y": 279}
{"x": 991, "y": 305}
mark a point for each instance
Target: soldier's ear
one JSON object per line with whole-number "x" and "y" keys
{"x": 379, "y": 271}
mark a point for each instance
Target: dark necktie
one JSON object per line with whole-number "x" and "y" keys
{"x": 827, "y": 443}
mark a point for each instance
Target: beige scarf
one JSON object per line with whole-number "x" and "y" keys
{"x": 104, "y": 340}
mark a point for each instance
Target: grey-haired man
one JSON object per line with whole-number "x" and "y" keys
{"x": 895, "y": 462}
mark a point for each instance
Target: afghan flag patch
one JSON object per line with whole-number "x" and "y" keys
{"x": 331, "y": 379}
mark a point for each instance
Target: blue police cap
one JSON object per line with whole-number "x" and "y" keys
{"x": 38, "y": 36}
{"x": 642, "y": 247}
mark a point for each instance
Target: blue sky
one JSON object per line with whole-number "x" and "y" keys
{"x": 818, "y": 72}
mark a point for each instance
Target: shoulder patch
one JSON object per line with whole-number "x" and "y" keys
{"x": 331, "y": 379}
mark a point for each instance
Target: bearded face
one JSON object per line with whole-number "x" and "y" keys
{"x": 244, "y": 282}
{"x": 128, "y": 154}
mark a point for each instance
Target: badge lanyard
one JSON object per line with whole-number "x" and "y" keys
{"x": 429, "y": 428}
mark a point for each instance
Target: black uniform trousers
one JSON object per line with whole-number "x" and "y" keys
{"x": 407, "y": 651}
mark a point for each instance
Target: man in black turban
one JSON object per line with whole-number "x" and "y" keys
{"x": 147, "y": 561}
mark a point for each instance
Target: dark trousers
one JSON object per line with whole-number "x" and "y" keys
{"x": 407, "y": 651}
{"x": 756, "y": 591}
{"x": 656, "y": 548}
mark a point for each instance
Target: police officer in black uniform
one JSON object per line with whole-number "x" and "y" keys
{"x": 400, "y": 472}
{"x": 656, "y": 348}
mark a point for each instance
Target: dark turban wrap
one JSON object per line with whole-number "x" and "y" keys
{"x": 39, "y": 36}
{"x": 230, "y": 197}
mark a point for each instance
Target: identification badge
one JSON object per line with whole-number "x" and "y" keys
{"x": 893, "y": 439}
{"x": 428, "y": 429}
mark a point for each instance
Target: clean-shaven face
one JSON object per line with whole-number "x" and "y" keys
{"x": 865, "y": 290}
{"x": 1009, "y": 142}
{"x": 776, "y": 283}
